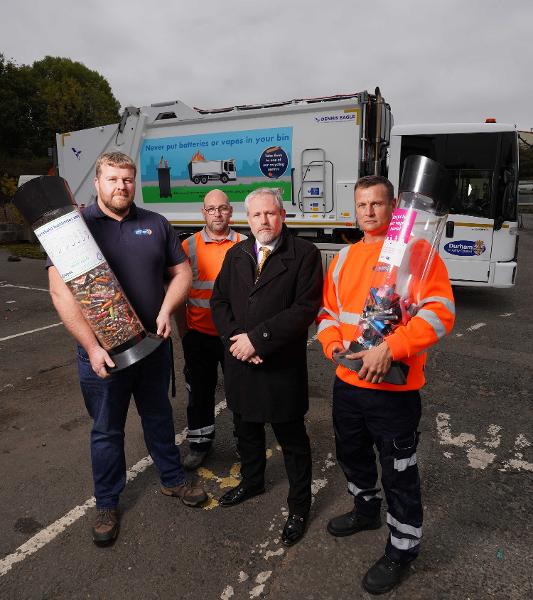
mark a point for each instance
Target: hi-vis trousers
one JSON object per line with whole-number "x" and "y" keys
{"x": 364, "y": 418}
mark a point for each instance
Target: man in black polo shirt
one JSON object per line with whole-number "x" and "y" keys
{"x": 144, "y": 252}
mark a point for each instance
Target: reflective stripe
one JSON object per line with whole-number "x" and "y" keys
{"x": 403, "y": 463}
{"x": 326, "y": 311}
{"x": 430, "y": 317}
{"x": 202, "y": 284}
{"x": 202, "y": 431}
{"x": 191, "y": 242}
{"x": 349, "y": 318}
{"x": 403, "y": 528}
{"x": 446, "y": 301}
{"x": 403, "y": 543}
{"x": 199, "y": 284}
{"x": 325, "y": 324}
{"x": 366, "y": 494}
{"x": 336, "y": 271}
{"x": 200, "y": 440}
{"x": 198, "y": 302}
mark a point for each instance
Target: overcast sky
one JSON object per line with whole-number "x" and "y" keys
{"x": 434, "y": 60}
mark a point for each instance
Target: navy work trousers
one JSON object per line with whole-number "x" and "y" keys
{"x": 202, "y": 353}
{"x": 364, "y": 418}
{"x": 107, "y": 401}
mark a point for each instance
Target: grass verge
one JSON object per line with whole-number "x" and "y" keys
{"x": 23, "y": 249}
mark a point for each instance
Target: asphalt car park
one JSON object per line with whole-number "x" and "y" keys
{"x": 475, "y": 457}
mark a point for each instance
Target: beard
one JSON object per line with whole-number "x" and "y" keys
{"x": 118, "y": 204}
{"x": 266, "y": 237}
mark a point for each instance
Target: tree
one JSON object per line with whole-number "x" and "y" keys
{"x": 17, "y": 90}
{"x": 53, "y": 95}
{"x": 70, "y": 96}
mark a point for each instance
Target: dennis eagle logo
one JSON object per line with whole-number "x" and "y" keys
{"x": 465, "y": 247}
{"x": 143, "y": 232}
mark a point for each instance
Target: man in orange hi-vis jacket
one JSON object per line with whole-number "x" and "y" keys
{"x": 202, "y": 349}
{"x": 368, "y": 411}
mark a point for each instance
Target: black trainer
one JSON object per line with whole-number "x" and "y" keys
{"x": 384, "y": 575}
{"x": 351, "y": 523}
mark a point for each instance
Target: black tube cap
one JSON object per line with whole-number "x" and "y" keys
{"x": 41, "y": 195}
{"x": 427, "y": 177}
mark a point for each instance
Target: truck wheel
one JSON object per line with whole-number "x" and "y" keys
{"x": 204, "y": 178}
{"x": 224, "y": 178}
{"x": 196, "y": 179}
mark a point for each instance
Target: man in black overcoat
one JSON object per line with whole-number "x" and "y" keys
{"x": 267, "y": 294}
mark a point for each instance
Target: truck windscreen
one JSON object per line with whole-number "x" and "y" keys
{"x": 482, "y": 164}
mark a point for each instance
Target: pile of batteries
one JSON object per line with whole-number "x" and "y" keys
{"x": 384, "y": 310}
{"x": 105, "y": 307}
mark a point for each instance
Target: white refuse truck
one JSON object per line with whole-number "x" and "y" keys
{"x": 204, "y": 171}
{"x": 313, "y": 150}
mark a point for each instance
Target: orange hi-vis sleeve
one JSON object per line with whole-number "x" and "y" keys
{"x": 346, "y": 289}
{"x": 206, "y": 257}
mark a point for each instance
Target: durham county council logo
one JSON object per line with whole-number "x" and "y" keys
{"x": 465, "y": 248}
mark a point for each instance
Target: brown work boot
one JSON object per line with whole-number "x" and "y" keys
{"x": 106, "y": 525}
{"x": 189, "y": 493}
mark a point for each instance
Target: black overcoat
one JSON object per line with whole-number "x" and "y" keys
{"x": 275, "y": 312}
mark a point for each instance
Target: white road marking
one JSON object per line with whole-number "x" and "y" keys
{"x": 227, "y": 593}
{"x": 518, "y": 461}
{"x": 473, "y": 327}
{"x": 478, "y": 453}
{"x": 263, "y": 576}
{"x": 271, "y": 553}
{"x": 274, "y": 539}
{"x": 311, "y": 340}
{"x": 257, "y": 590}
{"x": 476, "y": 326}
{"x": 49, "y": 533}
{"x": 16, "y": 335}
{"x": 23, "y": 287}
{"x": 46, "y": 535}
{"x": 507, "y": 315}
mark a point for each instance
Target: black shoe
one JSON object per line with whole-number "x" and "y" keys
{"x": 351, "y": 523}
{"x": 384, "y": 575}
{"x": 106, "y": 525}
{"x": 294, "y": 529}
{"x": 237, "y": 495}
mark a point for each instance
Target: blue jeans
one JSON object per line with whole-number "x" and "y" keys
{"x": 107, "y": 401}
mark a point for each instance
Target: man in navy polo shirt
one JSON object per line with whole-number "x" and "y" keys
{"x": 144, "y": 252}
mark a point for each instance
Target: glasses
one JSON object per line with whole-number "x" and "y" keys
{"x": 222, "y": 210}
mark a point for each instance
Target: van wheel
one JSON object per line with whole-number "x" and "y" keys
{"x": 224, "y": 178}
{"x": 204, "y": 179}
{"x": 196, "y": 179}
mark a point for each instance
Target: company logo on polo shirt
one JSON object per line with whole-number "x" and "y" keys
{"x": 143, "y": 232}
{"x": 465, "y": 247}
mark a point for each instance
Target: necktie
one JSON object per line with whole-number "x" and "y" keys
{"x": 264, "y": 253}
